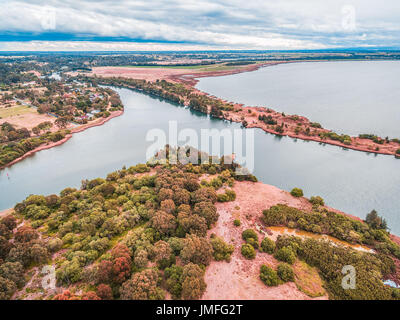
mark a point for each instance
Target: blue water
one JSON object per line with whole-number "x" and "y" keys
{"x": 352, "y": 181}
{"x": 350, "y": 97}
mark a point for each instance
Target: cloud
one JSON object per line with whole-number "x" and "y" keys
{"x": 253, "y": 24}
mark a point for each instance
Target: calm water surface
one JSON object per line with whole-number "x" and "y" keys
{"x": 348, "y": 97}
{"x": 352, "y": 181}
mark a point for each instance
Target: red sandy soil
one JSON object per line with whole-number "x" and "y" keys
{"x": 149, "y": 74}
{"x": 187, "y": 76}
{"x": 95, "y": 123}
{"x": 239, "y": 279}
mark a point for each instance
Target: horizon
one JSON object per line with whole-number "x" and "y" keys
{"x": 137, "y": 26}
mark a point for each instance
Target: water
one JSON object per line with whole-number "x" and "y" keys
{"x": 350, "y": 97}
{"x": 352, "y": 181}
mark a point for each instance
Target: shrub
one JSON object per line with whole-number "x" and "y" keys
{"x": 267, "y": 246}
{"x": 317, "y": 200}
{"x": 285, "y": 254}
{"x": 248, "y": 251}
{"x": 269, "y": 276}
{"x": 296, "y": 192}
{"x": 236, "y": 223}
{"x": 398, "y": 151}
{"x": 222, "y": 250}
{"x": 285, "y": 272}
{"x": 249, "y": 233}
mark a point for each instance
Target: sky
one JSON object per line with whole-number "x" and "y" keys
{"x": 133, "y": 25}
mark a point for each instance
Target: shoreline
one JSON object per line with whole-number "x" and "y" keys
{"x": 271, "y": 196}
{"x": 362, "y": 145}
{"x": 293, "y": 126}
{"x": 82, "y": 128}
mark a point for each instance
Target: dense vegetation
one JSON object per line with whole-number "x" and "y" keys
{"x": 337, "y": 225}
{"x": 14, "y": 143}
{"x": 133, "y": 235}
{"x": 330, "y": 259}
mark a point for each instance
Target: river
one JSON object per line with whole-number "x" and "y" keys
{"x": 352, "y": 181}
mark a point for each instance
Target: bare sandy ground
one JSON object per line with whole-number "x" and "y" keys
{"x": 149, "y": 74}
{"x": 239, "y": 279}
{"x": 29, "y": 120}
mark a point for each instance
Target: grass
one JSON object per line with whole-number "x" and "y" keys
{"x": 15, "y": 111}
{"x": 308, "y": 280}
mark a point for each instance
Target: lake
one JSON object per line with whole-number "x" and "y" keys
{"x": 352, "y": 181}
{"x": 350, "y": 97}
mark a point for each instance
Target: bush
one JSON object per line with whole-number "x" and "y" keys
{"x": 268, "y": 246}
{"x": 296, "y": 192}
{"x": 285, "y": 254}
{"x": 249, "y": 233}
{"x": 285, "y": 272}
{"x": 248, "y": 251}
{"x": 222, "y": 250}
{"x": 317, "y": 200}
{"x": 398, "y": 151}
{"x": 269, "y": 276}
{"x": 236, "y": 223}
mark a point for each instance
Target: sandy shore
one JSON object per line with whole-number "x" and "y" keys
{"x": 95, "y": 123}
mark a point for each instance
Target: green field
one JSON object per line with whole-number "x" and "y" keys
{"x": 15, "y": 111}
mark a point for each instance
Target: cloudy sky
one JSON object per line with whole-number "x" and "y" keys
{"x": 197, "y": 24}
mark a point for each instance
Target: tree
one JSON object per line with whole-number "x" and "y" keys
{"x": 204, "y": 194}
{"x": 13, "y": 271}
{"x": 162, "y": 252}
{"x": 9, "y": 221}
{"x": 193, "y": 284}
{"x": 192, "y": 223}
{"x": 197, "y": 250}
{"x": 141, "y": 258}
{"x": 61, "y": 122}
{"x": 90, "y": 295}
{"x": 167, "y": 206}
{"x": 142, "y": 286}
{"x": 104, "y": 292}
{"x": 375, "y": 221}
{"x": 285, "y": 254}
{"x": 25, "y": 234}
{"x": 208, "y": 211}
{"x": 163, "y": 222}
{"x": 7, "y": 288}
